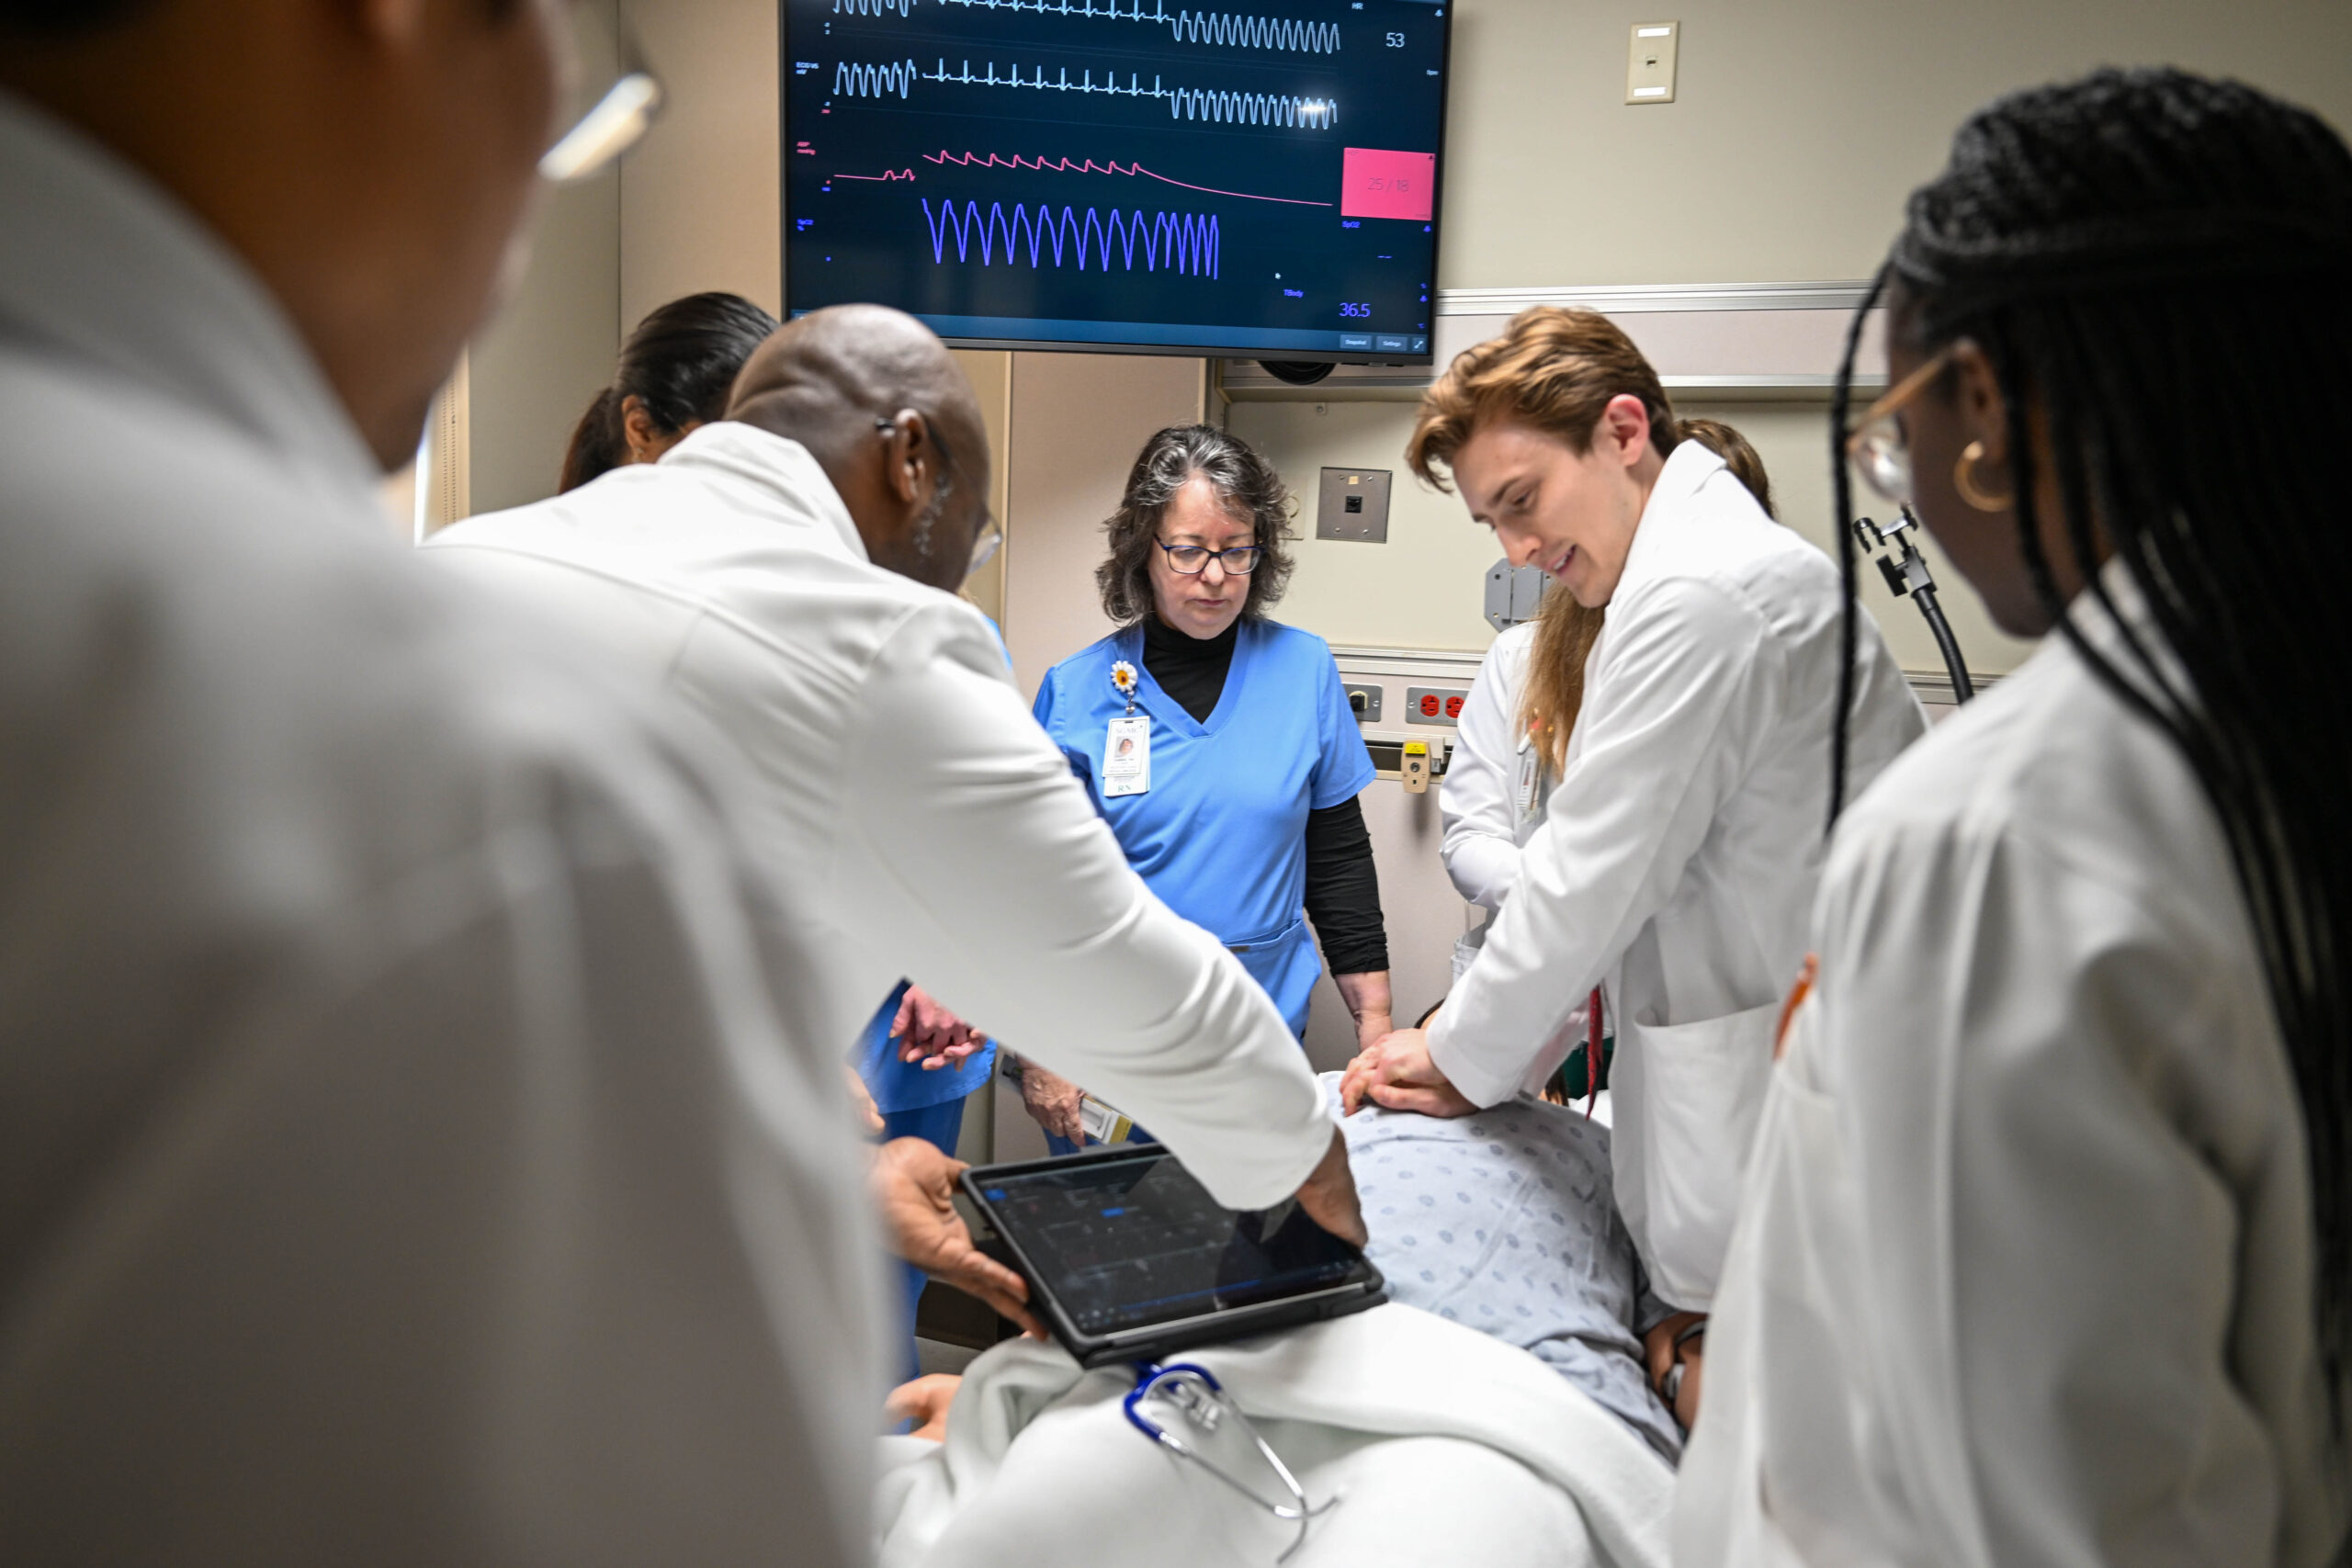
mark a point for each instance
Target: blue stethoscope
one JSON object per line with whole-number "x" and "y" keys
{"x": 1191, "y": 1396}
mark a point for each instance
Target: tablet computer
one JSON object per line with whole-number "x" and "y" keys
{"x": 1129, "y": 1258}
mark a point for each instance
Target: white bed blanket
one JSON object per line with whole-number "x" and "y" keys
{"x": 1447, "y": 1446}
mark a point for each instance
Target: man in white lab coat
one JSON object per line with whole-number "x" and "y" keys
{"x": 784, "y": 573}
{"x": 407, "y": 1154}
{"x": 1682, "y": 843}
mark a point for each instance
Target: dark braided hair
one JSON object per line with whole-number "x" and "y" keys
{"x": 2132, "y": 252}
{"x": 680, "y": 364}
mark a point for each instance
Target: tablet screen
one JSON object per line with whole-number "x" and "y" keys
{"x": 1129, "y": 1243}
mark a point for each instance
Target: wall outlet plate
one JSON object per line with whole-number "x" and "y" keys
{"x": 1353, "y": 504}
{"x": 1433, "y": 704}
{"x": 1365, "y": 701}
{"x": 1649, "y": 62}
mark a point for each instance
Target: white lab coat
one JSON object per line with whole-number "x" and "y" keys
{"x": 1489, "y": 812}
{"x": 402, "y": 1160}
{"x": 2024, "y": 1273}
{"x": 932, "y": 828}
{"x": 1679, "y": 853}
{"x": 1492, "y": 797}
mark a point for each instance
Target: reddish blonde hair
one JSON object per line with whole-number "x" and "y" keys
{"x": 1553, "y": 370}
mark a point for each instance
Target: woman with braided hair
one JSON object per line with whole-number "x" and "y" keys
{"x": 2046, "y": 1251}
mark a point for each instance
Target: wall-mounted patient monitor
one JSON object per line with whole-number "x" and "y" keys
{"x": 1259, "y": 179}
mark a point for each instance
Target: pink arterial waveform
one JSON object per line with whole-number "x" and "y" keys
{"x": 1184, "y": 242}
{"x": 1068, "y": 166}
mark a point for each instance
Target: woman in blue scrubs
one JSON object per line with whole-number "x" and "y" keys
{"x": 1218, "y": 744}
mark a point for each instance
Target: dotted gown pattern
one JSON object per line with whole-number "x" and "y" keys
{"x": 1505, "y": 1221}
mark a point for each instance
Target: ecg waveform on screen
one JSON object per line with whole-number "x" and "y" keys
{"x": 861, "y": 81}
{"x": 1071, "y": 166}
{"x": 1183, "y": 242}
{"x": 1185, "y": 27}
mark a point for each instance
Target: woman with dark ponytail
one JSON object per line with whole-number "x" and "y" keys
{"x": 674, "y": 374}
{"x": 2047, "y": 1250}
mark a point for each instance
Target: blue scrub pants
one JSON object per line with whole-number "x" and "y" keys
{"x": 941, "y": 1126}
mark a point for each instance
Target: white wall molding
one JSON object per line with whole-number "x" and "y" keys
{"x": 1721, "y": 341}
{"x": 1615, "y": 299}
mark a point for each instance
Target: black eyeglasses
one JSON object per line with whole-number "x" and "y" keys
{"x": 1191, "y": 561}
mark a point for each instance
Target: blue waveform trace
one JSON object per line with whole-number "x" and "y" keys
{"x": 1185, "y": 27}
{"x": 874, "y": 81}
{"x": 1183, "y": 242}
{"x": 1252, "y": 108}
{"x": 859, "y": 80}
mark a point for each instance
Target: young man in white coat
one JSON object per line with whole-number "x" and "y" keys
{"x": 785, "y": 573}
{"x": 1682, "y": 842}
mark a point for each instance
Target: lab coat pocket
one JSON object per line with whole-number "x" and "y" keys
{"x": 1699, "y": 1089}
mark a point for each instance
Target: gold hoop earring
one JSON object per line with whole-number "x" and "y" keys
{"x": 1963, "y": 479}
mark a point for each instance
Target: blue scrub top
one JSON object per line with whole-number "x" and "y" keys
{"x": 1221, "y": 835}
{"x": 904, "y": 1085}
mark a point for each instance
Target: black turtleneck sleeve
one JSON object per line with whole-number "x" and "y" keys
{"x": 1344, "y": 890}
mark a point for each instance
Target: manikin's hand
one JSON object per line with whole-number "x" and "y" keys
{"x": 929, "y": 1033}
{"x": 1330, "y": 1194}
{"x": 925, "y": 1402}
{"x": 1395, "y": 1072}
{"x": 1052, "y": 1100}
{"x": 914, "y": 1186}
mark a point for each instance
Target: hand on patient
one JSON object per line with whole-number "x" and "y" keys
{"x": 913, "y": 1186}
{"x": 1329, "y": 1195}
{"x": 1052, "y": 1101}
{"x": 1395, "y": 1072}
{"x": 929, "y": 1033}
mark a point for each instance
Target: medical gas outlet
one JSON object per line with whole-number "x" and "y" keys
{"x": 1415, "y": 767}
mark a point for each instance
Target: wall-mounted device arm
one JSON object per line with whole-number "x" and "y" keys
{"x": 1906, "y": 572}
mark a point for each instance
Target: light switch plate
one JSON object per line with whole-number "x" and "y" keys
{"x": 1649, "y": 62}
{"x": 1353, "y": 504}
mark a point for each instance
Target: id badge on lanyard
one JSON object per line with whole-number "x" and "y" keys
{"x": 1531, "y": 771}
{"x": 1126, "y": 756}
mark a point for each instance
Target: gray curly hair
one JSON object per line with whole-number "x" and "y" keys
{"x": 1244, "y": 480}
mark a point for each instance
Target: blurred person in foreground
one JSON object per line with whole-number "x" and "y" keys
{"x": 411, "y": 1149}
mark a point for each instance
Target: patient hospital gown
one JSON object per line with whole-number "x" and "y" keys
{"x": 1504, "y": 1222}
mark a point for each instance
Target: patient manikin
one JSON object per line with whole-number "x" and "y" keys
{"x": 1533, "y": 1439}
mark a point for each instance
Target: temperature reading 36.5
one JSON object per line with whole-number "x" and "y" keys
{"x": 1348, "y": 309}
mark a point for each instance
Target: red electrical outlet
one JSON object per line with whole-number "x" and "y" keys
{"x": 1432, "y": 705}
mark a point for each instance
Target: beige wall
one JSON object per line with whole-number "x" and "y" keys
{"x": 702, "y": 202}
{"x": 1798, "y": 124}
{"x": 535, "y": 371}
{"x": 1077, "y": 421}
